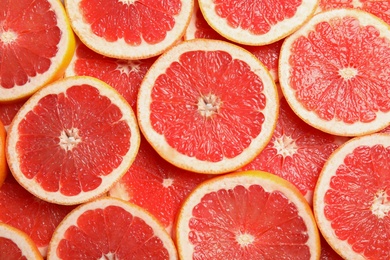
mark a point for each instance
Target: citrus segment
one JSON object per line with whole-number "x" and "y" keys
{"x": 333, "y": 72}
{"x": 129, "y": 29}
{"x": 14, "y": 244}
{"x": 156, "y": 185}
{"x": 207, "y": 106}
{"x": 296, "y": 152}
{"x": 3, "y": 160}
{"x": 33, "y": 216}
{"x": 72, "y": 140}
{"x": 36, "y": 45}
{"x": 246, "y": 215}
{"x": 256, "y": 22}
{"x": 110, "y": 228}
{"x": 123, "y": 75}
{"x": 8, "y": 111}
{"x": 351, "y": 199}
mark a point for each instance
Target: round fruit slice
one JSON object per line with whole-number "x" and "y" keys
{"x": 378, "y": 8}
{"x": 33, "y": 216}
{"x": 156, "y": 185}
{"x": 3, "y": 161}
{"x": 296, "y": 152}
{"x": 123, "y": 75}
{"x": 36, "y": 45}
{"x": 351, "y": 199}
{"x": 109, "y": 228}
{"x": 256, "y": 22}
{"x": 15, "y": 244}
{"x": 129, "y": 29}
{"x": 246, "y": 215}
{"x": 333, "y": 72}
{"x": 72, "y": 140}
{"x": 207, "y": 106}
{"x": 386, "y": 130}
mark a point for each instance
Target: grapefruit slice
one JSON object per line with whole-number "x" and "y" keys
{"x": 33, "y": 216}
{"x": 3, "y": 161}
{"x": 123, "y": 75}
{"x": 110, "y": 228}
{"x": 296, "y": 152}
{"x": 36, "y": 45}
{"x": 15, "y": 244}
{"x": 256, "y": 22}
{"x": 351, "y": 199}
{"x": 378, "y": 8}
{"x": 72, "y": 140}
{"x": 386, "y": 130}
{"x": 207, "y": 106}
{"x": 156, "y": 185}
{"x": 333, "y": 72}
{"x": 129, "y": 29}
{"x": 246, "y": 215}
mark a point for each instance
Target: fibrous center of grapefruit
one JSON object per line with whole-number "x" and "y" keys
{"x": 348, "y": 73}
{"x": 381, "y": 204}
{"x": 109, "y": 256}
{"x": 7, "y": 37}
{"x": 208, "y": 105}
{"x": 245, "y": 239}
{"x": 285, "y": 145}
{"x": 127, "y": 2}
{"x": 69, "y": 139}
{"x": 357, "y": 4}
{"x": 167, "y": 182}
{"x": 125, "y": 67}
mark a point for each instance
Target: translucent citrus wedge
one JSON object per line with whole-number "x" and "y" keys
{"x": 334, "y": 74}
{"x": 129, "y": 29}
{"x": 207, "y": 106}
{"x": 109, "y": 228}
{"x": 15, "y": 244}
{"x": 246, "y": 215}
{"x": 72, "y": 140}
{"x": 352, "y": 198}
{"x": 36, "y": 45}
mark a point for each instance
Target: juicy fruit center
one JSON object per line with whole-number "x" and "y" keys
{"x": 381, "y": 204}
{"x": 348, "y": 73}
{"x": 7, "y": 37}
{"x": 127, "y": 2}
{"x": 285, "y": 146}
{"x": 208, "y": 105}
{"x": 245, "y": 239}
{"x": 109, "y": 256}
{"x": 69, "y": 139}
{"x": 357, "y": 4}
{"x": 126, "y": 67}
{"x": 167, "y": 182}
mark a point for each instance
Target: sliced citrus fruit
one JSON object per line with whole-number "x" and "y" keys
{"x": 207, "y": 106}
{"x": 333, "y": 72}
{"x": 36, "y": 45}
{"x": 8, "y": 111}
{"x": 72, "y": 140}
{"x": 3, "y": 161}
{"x": 123, "y": 75}
{"x": 296, "y": 151}
{"x": 110, "y": 228}
{"x": 256, "y": 22}
{"x": 327, "y": 252}
{"x": 15, "y": 244}
{"x": 386, "y": 130}
{"x": 246, "y": 215}
{"x": 129, "y": 29}
{"x": 378, "y": 8}
{"x": 33, "y": 216}
{"x": 351, "y": 200}
{"x": 156, "y": 185}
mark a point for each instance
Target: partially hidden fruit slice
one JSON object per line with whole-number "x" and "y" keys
{"x": 123, "y": 75}
{"x": 129, "y": 29}
{"x": 207, "y": 106}
{"x": 15, "y": 244}
{"x": 110, "y": 228}
{"x": 256, "y": 22}
{"x": 8, "y": 111}
{"x": 352, "y": 198}
{"x": 72, "y": 140}
{"x": 33, "y": 216}
{"x": 3, "y": 160}
{"x": 36, "y": 45}
{"x": 296, "y": 152}
{"x": 246, "y": 215}
{"x": 334, "y": 74}
{"x": 156, "y": 185}
{"x": 378, "y": 8}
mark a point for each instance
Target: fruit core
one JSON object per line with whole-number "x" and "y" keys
{"x": 285, "y": 145}
{"x": 245, "y": 239}
{"x": 7, "y": 37}
{"x": 208, "y": 105}
{"x": 69, "y": 139}
{"x": 167, "y": 182}
{"x": 348, "y": 73}
{"x": 127, "y": 2}
{"x": 381, "y": 204}
{"x": 126, "y": 67}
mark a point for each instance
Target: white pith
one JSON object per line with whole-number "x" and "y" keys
{"x": 69, "y": 139}
{"x": 8, "y": 37}
{"x": 285, "y": 146}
